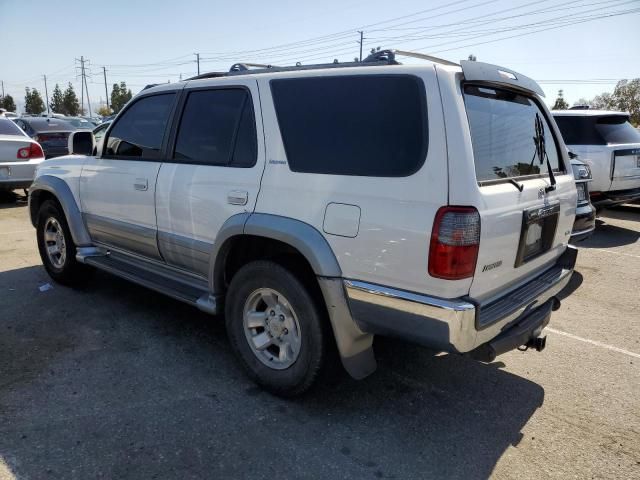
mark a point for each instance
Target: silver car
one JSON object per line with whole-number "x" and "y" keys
{"x": 19, "y": 156}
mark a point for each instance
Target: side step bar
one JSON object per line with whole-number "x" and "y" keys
{"x": 177, "y": 285}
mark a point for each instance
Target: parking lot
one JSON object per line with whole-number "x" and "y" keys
{"x": 115, "y": 381}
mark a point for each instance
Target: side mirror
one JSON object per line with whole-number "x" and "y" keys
{"x": 81, "y": 142}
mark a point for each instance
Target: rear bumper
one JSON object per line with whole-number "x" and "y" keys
{"x": 14, "y": 175}
{"x": 585, "y": 222}
{"x": 457, "y": 325}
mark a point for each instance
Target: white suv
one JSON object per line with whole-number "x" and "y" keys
{"x": 328, "y": 203}
{"x": 608, "y": 143}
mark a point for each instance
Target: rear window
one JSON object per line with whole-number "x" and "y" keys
{"x": 502, "y": 125}
{"x": 49, "y": 125}
{"x": 7, "y": 127}
{"x": 597, "y": 130}
{"x": 368, "y": 125}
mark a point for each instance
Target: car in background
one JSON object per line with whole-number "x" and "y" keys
{"x": 585, "y": 222}
{"x": 19, "y": 156}
{"x": 51, "y": 133}
{"x": 80, "y": 123}
{"x": 610, "y": 145}
{"x": 98, "y": 134}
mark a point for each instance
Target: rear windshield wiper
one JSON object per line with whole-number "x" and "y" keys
{"x": 541, "y": 151}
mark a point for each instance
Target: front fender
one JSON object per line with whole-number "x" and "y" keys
{"x": 61, "y": 191}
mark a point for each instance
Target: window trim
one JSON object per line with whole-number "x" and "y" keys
{"x": 180, "y": 109}
{"x": 424, "y": 107}
{"x": 162, "y": 150}
{"x": 556, "y": 135}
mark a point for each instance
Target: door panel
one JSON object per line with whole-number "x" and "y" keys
{"x": 117, "y": 190}
{"x": 116, "y": 209}
{"x": 200, "y": 189}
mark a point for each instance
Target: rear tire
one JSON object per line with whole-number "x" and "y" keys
{"x": 276, "y": 328}
{"x": 56, "y": 247}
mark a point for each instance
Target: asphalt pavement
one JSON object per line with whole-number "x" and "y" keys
{"x": 117, "y": 382}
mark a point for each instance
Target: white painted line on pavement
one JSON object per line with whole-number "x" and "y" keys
{"x": 17, "y": 231}
{"x": 594, "y": 342}
{"x": 614, "y": 252}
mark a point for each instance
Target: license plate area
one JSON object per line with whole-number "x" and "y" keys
{"x": 539, "y": 226}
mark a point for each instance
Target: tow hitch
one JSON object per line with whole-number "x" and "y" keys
{"x": 523, "y": 335}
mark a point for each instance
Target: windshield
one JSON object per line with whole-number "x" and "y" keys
{"x": 503, "y": 134}
{"x": 7, "y": 127}
{"x": 597, "y": 130}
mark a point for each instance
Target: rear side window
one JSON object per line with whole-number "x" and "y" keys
{"x": 140, "y": 129}
{"x": 502, "y": 125}
{"x": 7, "y": 127}
{"x": 597, "y": 130}
{"x": 217, "y": 128}
{"x": 368, "y": 125}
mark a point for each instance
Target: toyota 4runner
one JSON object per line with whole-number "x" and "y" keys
{"x": 327, "y": 203}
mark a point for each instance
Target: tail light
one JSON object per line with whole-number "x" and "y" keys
{"x": 32, "y": 151}
{"x": 455, "y": 240}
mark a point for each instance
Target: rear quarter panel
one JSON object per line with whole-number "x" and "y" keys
{"x": 396, "y": 214}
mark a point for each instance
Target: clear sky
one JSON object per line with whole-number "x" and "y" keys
{"x": 144, "y": 42}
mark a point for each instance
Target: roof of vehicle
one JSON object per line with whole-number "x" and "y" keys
{"x": 48, "y": 124}
{"x": 587, "y": 113}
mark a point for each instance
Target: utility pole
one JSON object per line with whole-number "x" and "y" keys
{"x": 81, "y": 84}
{"x": 87, "y": 87}
{"x": 104, "y": 71}
{"x": 198, "y": 61}
{"x": 2, "y": 88}
{"x": 46, "y": 93}
{"x": 360, "y": 42}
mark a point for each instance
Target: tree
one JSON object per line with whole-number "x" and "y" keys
{"x": 57, "y": 100}
{"x": 33, "y": 101}
{"x": 70, "y": 104}
{"x": 561, "y": 103}
{"x": 473, "y": 58}
{"x": 120, "y": 95}
{"x": 104, "y": 111}
{"x": 604, "y": 101}
{"x": 8, "y": 103}
{"x": 626, "y": 97}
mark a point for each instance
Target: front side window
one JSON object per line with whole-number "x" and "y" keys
{"x": 139, "y": 131}
{"x": 217, "y": 128}
{"x": 503, "y": 132}
{"x": 366, "y": 125}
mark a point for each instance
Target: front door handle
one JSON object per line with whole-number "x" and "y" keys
{"x": 141, "y": 184}
{"x": 237, "y": 197}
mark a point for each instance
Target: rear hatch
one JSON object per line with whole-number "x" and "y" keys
{"x": 53, "y": 143}
{"x": 526, "y": 213}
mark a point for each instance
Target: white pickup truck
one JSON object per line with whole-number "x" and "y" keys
{"x": 327, "y": 203}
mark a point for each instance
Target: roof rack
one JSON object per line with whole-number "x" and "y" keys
{"x": 376, "y": 58}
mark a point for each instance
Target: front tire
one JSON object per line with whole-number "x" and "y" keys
{"x": 276, "y": 328}
{"x": 56, "y": 247}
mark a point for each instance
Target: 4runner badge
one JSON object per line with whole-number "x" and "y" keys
{"x": 491, "y": 266}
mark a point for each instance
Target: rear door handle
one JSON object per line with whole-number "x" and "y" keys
{"x": 237, "y": 197}
{"x": 141, "y": 184}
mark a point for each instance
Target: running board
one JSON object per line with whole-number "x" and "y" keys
{"x": 162, "y": 279}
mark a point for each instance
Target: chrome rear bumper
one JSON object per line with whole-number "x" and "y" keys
{"x": 455, "y": 325}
